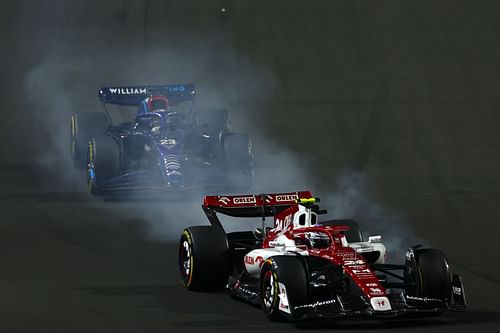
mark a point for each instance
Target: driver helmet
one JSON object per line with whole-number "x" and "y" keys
{"x": 158, "y": 104}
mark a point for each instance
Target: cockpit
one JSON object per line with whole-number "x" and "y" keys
{"x": 168, "y": 125}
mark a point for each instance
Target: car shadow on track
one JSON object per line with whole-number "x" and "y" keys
{"x": 231, "y": 314}
{"x": 215, "y": 310}
{"x": 447, "y": 319}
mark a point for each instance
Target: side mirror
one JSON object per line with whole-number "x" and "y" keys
{"x": 258, "y": 233}
{"x": 374, "y": 239}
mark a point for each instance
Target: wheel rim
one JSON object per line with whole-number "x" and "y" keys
{"x": 91, "y": 175}
{"x": 269, "y": 287}
{"x": 186, "y": 260}
{"x": 73, "y": 137}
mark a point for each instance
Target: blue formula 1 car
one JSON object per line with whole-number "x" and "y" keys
{"x": 165, "y": 146}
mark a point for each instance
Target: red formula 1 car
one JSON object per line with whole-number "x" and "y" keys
{"x": 303, "y": 267}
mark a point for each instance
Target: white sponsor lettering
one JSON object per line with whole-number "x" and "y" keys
{"x": 457, "y": 290}
{"x": 177, "y": 89}
{"x": 168, "y": 141}
{"x": 286, "y": 197}
{"x": 128, "y": 91}
{"x": 316, "y": 305}
{"x": 424, "y": 299}
{"x": 285, "y": 223}
{"x": 224, "y": 200}
{"x": 244, "y": 200}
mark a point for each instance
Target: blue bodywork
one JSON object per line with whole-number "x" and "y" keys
{"x": 162, "y": 150}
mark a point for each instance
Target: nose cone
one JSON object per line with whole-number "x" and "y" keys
{"x": 175, "y": 178}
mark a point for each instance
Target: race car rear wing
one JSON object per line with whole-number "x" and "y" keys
{"x": 251, "y": 205}
{"x": 133, "y": 95}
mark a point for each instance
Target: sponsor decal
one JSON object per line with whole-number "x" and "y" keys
{"x": 283, "y": 304}
{"x": 376, "y": 291}
{"x": 372, "y": 285}
{"x": 128, "y": 91}
{"x": 286, "y": 197}
{"x": 457, "y": 290}
{"x": 354, "y": 262}
{"x": 361, "y": 271}
{"x": 346, "y": 255}
{"x": 259, "y": 260}
{"x": 175, "y": 89}
{"x": 168, "y": 141}
{"x": 224, "y": 200}
{"x": 285, "y": 223}
{"x": 358, "y": 267}
{"x": 249, "y": 260}
{"x": 316, "y": 305}
{"x": 423, "y": 299}
{"x": 244, "y": 200}
{"x": 244, "y": 290}
{"x": 380, "y": 304}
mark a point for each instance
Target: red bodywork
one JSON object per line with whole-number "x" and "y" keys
{"x": 353, "y": 263}
{"x": 252, "y": 200}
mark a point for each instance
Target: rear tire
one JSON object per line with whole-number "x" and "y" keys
{"x": 203, "y": 258}
{"x": 103, "y": 162}
{"x": 237, "y": 150}
{"x": 218, "y": 119}
{"x": 85, "y": 125}
{"x": 283, "y": 275}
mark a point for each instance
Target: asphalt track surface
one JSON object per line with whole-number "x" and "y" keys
{"x": 404, "y": 95}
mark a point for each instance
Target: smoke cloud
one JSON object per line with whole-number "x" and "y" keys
{"x": 61, "y": 88}
{"x": 351, "y": 199}
{"x": 66, "y": 80}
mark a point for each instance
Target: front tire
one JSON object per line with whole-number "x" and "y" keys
{"x": 85, "y": 125}
{"x": 103, "y": 162}
{"x": 284, "y": 285}
{"x": 430, "y": 275}
{"x": 203, "y": 258}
